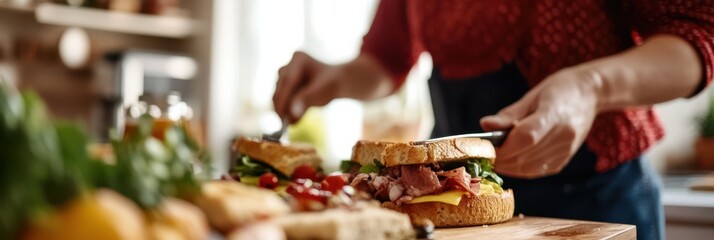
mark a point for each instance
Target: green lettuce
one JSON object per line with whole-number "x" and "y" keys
{"x": 376, "y": 168}
{"x": 482, "y": 168}
{"x": 245, "y": 166}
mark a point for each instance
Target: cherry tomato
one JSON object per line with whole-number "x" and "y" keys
{"x": 333, "y": 183}
{"x": 305, "y": 172}
{"x": 268, "y": 180}
{"x": 295, "y": 189}
{"x": 302, "y": 193}
{"x": 320, "y": 177}
{"x": 305, "y": 182}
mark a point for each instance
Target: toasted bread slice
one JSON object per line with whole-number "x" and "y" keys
{"x": 441, "y": 151}
{"x": 368, "y": 223}
{"x": 284, "y": 158}
{"x": 471, "y": 211}
{"x": 230, "y": 204}
{"x": 365, "y": 152}
{"x": 394, "y": 154}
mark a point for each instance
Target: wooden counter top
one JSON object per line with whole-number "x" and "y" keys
{"x": 541, "y": 228}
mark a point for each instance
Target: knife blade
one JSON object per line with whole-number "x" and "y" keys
{"x": 496, "y": 137}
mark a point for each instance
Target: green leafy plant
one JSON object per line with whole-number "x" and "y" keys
{"x": 45, "y": 164}
{"x": 148, "y": 169}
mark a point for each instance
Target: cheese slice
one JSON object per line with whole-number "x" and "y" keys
{"x": 452, "y": 197}
{"x": 253, "y": 181}
{"x": 485, "y": 189}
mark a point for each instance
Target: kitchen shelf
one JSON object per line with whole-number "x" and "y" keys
{"x": 150, "y": 25}
{"x": 4, "y": 6}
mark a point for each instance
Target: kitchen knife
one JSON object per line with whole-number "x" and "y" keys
{"x": 496, "y": 137}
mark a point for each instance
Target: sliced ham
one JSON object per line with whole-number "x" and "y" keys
{"x": 361, "y": 182}
{"x": 403, "y": 199}
{"x": 419, "y": 180}
{"x": 404, "y": 183}
{"x": 394, "y": 172}
{"x": 395, "y": 190}
{"x": 458, "y": 174}
{"x": 362, "y": 177}
{"x": 459, "y": 179}
{"x": 353, "y": 171}
{"x": 476, "y": 184}
{"x": 381, "y": 186}
{"x": 381, "y": 182}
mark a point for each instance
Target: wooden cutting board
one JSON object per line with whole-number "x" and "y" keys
{"x": 541, "y": 228}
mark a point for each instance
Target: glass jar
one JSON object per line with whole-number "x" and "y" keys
{"x": 167, "y": 111}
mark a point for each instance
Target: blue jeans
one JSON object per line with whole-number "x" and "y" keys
{"x": 629, "y": 194}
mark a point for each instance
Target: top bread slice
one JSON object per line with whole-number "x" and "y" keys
{"x": 283, "y": 158}
{"x": 393, "y": 154}
{"x": 365, "y": 152}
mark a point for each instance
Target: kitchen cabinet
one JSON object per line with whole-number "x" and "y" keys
{"x": 689, "y": 214}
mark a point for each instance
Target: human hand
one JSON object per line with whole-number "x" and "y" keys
{"x": 302, "y": 83}
{"x": 548, "y": 124}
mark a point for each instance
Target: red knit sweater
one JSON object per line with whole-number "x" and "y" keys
{"x": 468, "y": 38}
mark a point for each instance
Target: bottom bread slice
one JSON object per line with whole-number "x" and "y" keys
{"x": 471, "y": 211}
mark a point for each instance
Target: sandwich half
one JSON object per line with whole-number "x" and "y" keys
{"x": 257, "y": 157}
{"x": 449, "y": 182}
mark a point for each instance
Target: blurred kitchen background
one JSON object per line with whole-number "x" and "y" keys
{"x": 90, "y": 58}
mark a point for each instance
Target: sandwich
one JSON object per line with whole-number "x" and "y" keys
{"x": 321, "y": 206}
{"x": 272, "y": 165}
{"x": 248, "y": 212}
{"x": 449, "y": 182}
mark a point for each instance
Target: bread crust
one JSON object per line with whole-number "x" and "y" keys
{"x": 471, "y": 211}
{"x": 284, "y": 158}
{"x": 441, "y": 151}
{"x": 365, "y": 152}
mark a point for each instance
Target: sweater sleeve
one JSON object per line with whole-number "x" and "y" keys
{"x": 692, "y": 20}
{"x": 390, "y": 42}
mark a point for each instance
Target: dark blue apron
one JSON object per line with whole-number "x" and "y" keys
{"x": 627, "y": 194}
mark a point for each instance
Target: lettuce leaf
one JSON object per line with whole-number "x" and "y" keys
{"x": 483, "y": 168}
{"x": 369, "y": 169}
{"x": 345, "y": 165}
{"x": 376, "y": 168}
{"x": 245, "y": 166}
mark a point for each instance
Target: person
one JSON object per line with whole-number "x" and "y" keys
{"x": 574, "y": 81}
